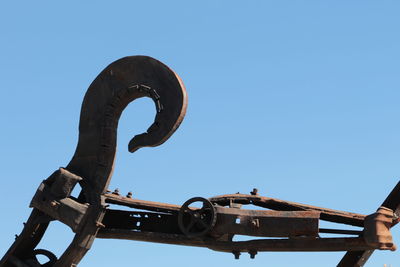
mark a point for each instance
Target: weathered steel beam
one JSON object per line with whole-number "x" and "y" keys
{"x": 59, "y": 207}
{"x": 301, "y": 244}
{"x": 141, "y": 204}
{"x": 141, "y": 221}
{"x": 359, "y": 258}
{"x": 265, "y": 223}
{"x": 331, "y": 215}
{"x": 277, "y": 204}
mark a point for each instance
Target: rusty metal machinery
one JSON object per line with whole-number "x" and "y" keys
{"x": 211, "y": 223}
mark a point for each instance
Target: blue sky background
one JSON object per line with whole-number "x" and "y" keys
{"x": 297, "y": 98}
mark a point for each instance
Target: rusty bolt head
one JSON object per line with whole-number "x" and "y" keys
{"x": 254, "y": 192}
{"x": 53, "y": 203}
{"x": 116, "y": 192}
{"x": 255, "y": 223}
{"x": 129, "y": 195}
{"x": 236, "y": 254}
{"x": 252, "y": 254}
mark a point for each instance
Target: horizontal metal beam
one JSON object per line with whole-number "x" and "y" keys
{"x": 297, "y": 244}
{"x": 141, "y": 204}
{"x": 330, "y": 215}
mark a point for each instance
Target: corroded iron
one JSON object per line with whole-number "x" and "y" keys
{"x": 114, "y": 88}
{"x": 281, "y": 225}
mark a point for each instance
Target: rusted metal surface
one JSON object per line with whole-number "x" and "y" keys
{"x": 138, "y": 221}
{"x": 359, "y": 258}
{"x": 252, "y": 223}
{"x": 211, "y": 223}
{"x": 197, "y": 221}
{"x": 265, "y": 223}
{"x": 141, "y": 204}
{"x": 277, "y": 204}
{"x": 52, "y": 198}
{"x": 355, "y": 258}
{"x": 258, "y": 245}
{"x": 114, "y": 88}
{"x": 377, "y": 229}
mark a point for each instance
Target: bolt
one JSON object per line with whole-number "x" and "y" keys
{"x": 237, "y": 254}
{"x": 54, "y": 203}
{"x": 129, "y": 195}
{"x": 16, "y": 236}
{"x": 396, "y": 218}
{"x": 255, "y": 223}
{"x": 254, "y": 192}
{"x": 252, "y": 254}
{"x": 116, "y": 192}
{"x": 100, "y": 225}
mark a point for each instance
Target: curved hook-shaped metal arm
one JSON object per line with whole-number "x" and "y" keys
{"x": 114, "y": 88}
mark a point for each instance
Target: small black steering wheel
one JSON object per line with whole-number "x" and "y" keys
{"x": 196, "y": 222}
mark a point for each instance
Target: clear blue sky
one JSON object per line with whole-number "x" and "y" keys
{"x": 297, "y": 98}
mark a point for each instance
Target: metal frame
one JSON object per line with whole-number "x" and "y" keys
{"x": 212, "y": 223}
